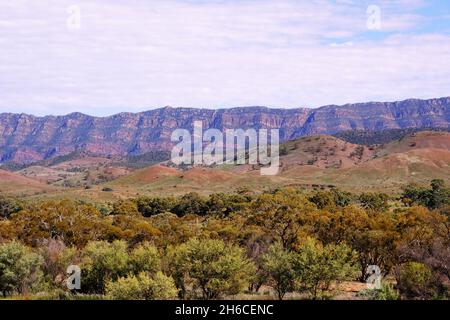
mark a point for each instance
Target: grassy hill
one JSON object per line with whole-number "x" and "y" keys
{"x": 307, "y": 162}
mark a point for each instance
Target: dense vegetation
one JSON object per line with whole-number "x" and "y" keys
{"x": 286, "y": 243}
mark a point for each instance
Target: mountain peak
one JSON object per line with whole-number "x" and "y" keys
{"x": 25, "y": 138}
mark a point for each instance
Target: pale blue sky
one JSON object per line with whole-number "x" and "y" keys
{"x": 139, "y": 55}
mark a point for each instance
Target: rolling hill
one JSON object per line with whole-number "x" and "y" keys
{"x": 311, "y": 161}
{"x": 316, "y": 161}
{"x": 16, "y": 184}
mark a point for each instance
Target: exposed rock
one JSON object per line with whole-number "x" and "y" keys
{"x": 25, "y": 138}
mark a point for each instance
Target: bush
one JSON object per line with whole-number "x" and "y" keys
{"x": 416, "y": 281}
{"x": 19, "y": 268}
{"x": 57, "y": 257}
{"x": 103, "y": 261}
{"x": 153, "y": 206}
{"x": 211, "y": 267}
{"x": 145, "y": 258}
{"x": 434, "y": 198}
{"x": 191, "y": 203}
{"x": 317, "y": 267}
{"x": 278, "y": 264}
{"x": 142, "y": 287}
{"x": 125, "y": 207}
{"x": 386, "y": 292}
{"x": 374, "y": 201}
{"x": 8, "y": 207}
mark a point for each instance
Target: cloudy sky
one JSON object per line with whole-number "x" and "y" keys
{"x": 101, "y": 57}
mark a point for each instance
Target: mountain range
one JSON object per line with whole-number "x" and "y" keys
{"x": 27, "y": 138}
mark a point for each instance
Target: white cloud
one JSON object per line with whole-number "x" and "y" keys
{"x": 135, "y": 55}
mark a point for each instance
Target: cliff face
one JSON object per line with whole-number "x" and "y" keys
{"x": 26, "y": 138}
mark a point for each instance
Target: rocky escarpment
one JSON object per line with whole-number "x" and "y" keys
{"x": 26, "y": 138}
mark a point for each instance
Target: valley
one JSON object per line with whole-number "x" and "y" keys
{"x": 309, "y": 162}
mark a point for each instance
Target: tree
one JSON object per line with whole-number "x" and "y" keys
{"x": 125, "y": 207}
{"x": 191, "y": 203}
{"x": 103, "y": 261}
{"x": 222, "y": 205}
{"x": 211, "y": 267}
{"x": 377, "y": 202}
{"x": 278, "y": 264}
{"x": 145, "y": 258}
{"x": 153, "y": 206}
{"x": 317, "y": 267}
{"x": 133, "y": 228}
{"x": 73, "y": 222}
{"x": 280, "y": 215}
{"x": 142, "y": 287}
{"x": 57, "y": 257}
{"x": 414, "y": 194}
{"x": 19, "y": 268}
{"x": 8, "y": 207}
{"x": 439, "y": 194}
{"x": 435, "y": 197}
{"x": 323, "y": 199}
{"x": 416, "y": 280}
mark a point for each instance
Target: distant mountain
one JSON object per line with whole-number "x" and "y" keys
{"x": 26, "y": 138}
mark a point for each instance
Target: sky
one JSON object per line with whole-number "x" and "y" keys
{"x": 102, "y": 57}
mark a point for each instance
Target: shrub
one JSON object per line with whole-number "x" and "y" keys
{"x": 278, "y": 264}
{"x": 153, "y": 206}
{"x": 19, "y": 268}
{"x": 386, "y": 292}
{"x": 142, "y": 287}
{"x": 317, "y": 267}
{"x": 191, "y": 203}
{"x": 211, "y": 267}
{"x": 8, "y": 207}
{"x": 103, "y": 261}
{"x": 125, "y": 207}
{"x": 416, "y": 281}
{"x": 145, "y": 258}
{"x": 374, "y": 201}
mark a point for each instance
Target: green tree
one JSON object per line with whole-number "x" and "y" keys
{"x": 153, "y": 206}
{"x": 439, "y": 194}
{"x": 416, "y": 280}
{"x": 318, "y": 266}
{"x": 191, "y": 203}
{"x": 278, "y": 264}
{"x": 212, "y": 267}
{"x": 19, "y": 268}
{"x": 103, "y": 261}
{"x": 436, "y": 197}
{"x": 145, "y": 258}
{"x": 125, "y": 207}
{"x": 142, "y": 287}
{"x": 374, "y": 201}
